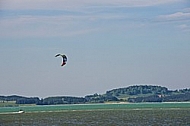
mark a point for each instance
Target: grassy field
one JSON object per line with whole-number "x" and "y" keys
{"x": 13, "y": 104}
{"x": 8, "y": 104}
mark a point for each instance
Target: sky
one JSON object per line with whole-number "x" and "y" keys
{"x": 109, "y": 44}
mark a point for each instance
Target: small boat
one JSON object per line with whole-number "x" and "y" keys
{"x": 20, "y": 111}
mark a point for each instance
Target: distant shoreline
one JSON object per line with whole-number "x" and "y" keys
{"x": 126, "y": 95}
{"x": 106, "y": 103}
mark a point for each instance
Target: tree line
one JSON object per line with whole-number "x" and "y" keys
{"x": 137, "y": 93}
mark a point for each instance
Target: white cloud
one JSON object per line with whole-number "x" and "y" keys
{"x": 184, "y": 27}
{"x": 68, "y": 4}
{"x": 174, "y": 16}
{"x": 186, "y": 10}
{"x": 73, "y": 17}
{"x": 179, "y": 19}
{"x": 44, "y": 26}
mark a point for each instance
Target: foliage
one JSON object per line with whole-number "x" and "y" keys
{"x": 137, "y": 90}
{"x": 138, "y": 93}
{"x": 177, "y": 98}
{"x": 61, "y": 100}
{"x": 27, "y": 100}
{"x": 152, "y": 98}
{"x": 100, "y": 98}
{"x": 10, "y": 98}
{"x": 8, "y": 104}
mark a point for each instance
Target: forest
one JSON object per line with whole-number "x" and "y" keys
{"x": 134, "y": 94}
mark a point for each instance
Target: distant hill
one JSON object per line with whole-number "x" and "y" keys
{"x": 136, "y": 93}
{"x": 141, "y": 90}
{"x": 19, "y": 99}
{"x": 149, "y": 93}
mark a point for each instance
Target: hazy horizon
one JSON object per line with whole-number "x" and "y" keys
{"x": 109, "y": 44}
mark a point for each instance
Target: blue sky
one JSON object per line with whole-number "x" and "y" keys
{"x": 109, "y": 44}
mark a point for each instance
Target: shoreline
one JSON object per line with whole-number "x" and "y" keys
{"x": 96, "y": 107}
{"x": 31, "y": 105}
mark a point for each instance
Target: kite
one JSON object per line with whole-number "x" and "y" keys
{"x": 64, "y": 58}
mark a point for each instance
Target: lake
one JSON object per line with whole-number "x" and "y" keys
{"x": 152, "y": 114}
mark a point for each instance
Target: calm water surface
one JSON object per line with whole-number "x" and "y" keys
{"x": 174, "y": 114}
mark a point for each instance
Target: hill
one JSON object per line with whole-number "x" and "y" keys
{"x": 149, "y": 93}
{"x": 136, "y": 93}
{"x": 141, "y": 90}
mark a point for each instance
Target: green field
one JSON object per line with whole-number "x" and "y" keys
{"x": 8, "y": 104}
